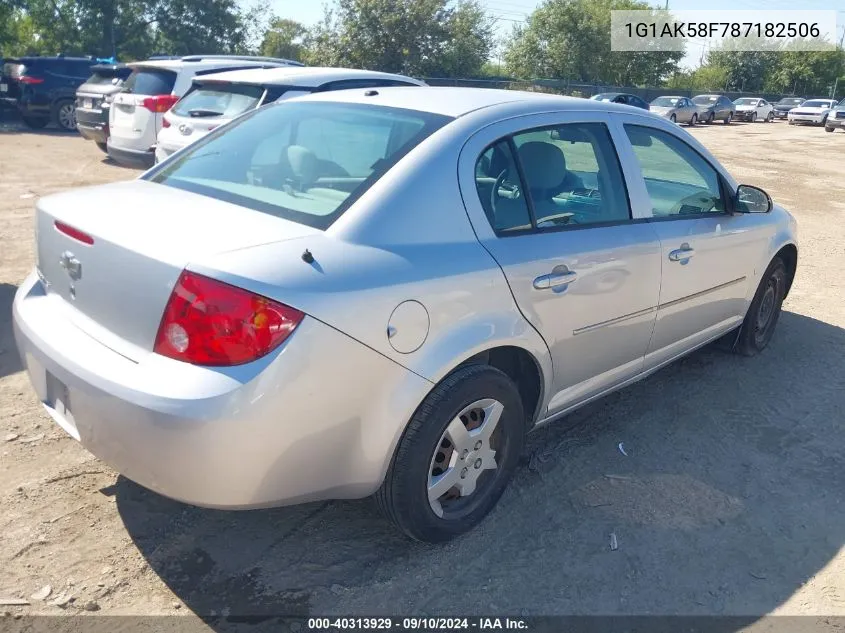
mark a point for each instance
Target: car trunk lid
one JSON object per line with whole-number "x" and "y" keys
{"x": 144, "y": 235}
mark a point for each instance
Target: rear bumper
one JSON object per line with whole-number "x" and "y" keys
{"x": 318, "y": 418}
{"x": 835, "y": 123}
{"x": 93, "y": 125}
{"x": 131, "y": 157}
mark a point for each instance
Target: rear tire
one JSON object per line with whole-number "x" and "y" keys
{"x": 35, "y": 122}
{"x": 693, "y": 120}
{"x": 427, "y": 453}
{"x": 710, "y": 118}
{"x": 763, "y": 313}
{"x": 828, "y": 129}
{"x": 729, "y": 118}
{"x": 770, "y": 117}
{"x": 673, "y": 118}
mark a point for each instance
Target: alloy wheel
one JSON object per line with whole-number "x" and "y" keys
{"x": 464, "y": 457}
{"x": 66, "y": 116}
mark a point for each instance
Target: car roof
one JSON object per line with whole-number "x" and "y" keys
{"x": 306, "y": 76}
{"x": 38, "y": 58}
{"x": 211, "y": 62}
{"x": 456, "y": 102}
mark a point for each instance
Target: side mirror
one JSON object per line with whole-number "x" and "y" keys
{"x": 751, "y": 199}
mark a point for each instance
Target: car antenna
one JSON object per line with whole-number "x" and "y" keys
{"x": 307, "y": 257}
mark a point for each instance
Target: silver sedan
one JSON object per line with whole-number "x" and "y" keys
{"x": 676, "y": 109}
{"x": 381, "y": 291}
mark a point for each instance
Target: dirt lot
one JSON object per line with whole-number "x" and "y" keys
{"x": 730, "y": 500}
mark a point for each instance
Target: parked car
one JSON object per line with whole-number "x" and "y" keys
{"x": 714, "y": 107}
{"x": 676, "y": 109}
{"x": 218, "y": 98}
{"x": 621, "y": 97}
{"x": 93, "y": 101}
{"x": 753, "y": 109}
{"x": 813, "y": 111}
{"x": 153, "y": 87}
{"x": 836, "y": 118}
{"x": 379, "y": 292}
{"x": 44, "y": 88}
{"x": 782, "y": 107}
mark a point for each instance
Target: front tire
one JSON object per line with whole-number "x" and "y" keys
{"x": 450, "y": 467}
{"x": 673, "y": 118}
{"x": 64, "y": 115}
{"x": 710, "y": 118}
{"x": 828, "y": 129}
{"x": 763, "y": 313}
{"x": 754, "y": 117}
{"x": 729, "y": 118}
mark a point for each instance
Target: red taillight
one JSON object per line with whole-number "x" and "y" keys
{"x": 75, "y": 233}
{"x": 24, "y": 79}
{"x": 160, "y": 103}
{"x": 208, "y": 322}
{"x": 165, "y": 122}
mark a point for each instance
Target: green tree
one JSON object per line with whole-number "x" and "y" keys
{"x": 568, "y": 39}
{"x": 284, "y": 38}
{"x": 415, "y": 37}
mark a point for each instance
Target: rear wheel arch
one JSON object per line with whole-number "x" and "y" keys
{"x": 522, "y": 367}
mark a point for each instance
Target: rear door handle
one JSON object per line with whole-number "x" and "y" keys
{"x": 682, "y": 254}
{"x": 553, "y": 280}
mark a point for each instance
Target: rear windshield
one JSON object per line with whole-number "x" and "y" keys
{"x": 108, "y": 76}
{"x": 216, "y": 100}
{"x": 704, "y": 100}
{"x": 305, "y": 162}
{"x": 150, "y": 81}
{"x": 666, "y": 102}
{"x": 746, "y": 101}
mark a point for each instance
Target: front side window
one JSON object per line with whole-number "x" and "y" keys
{"x": 305, "y": 162}
{"x": 679, "y": 181}
{"x": 218, "y": 100}
{"x": 570, "y": 176}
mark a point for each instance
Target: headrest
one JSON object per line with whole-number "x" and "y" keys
{"x": 303, "y": 164}
{"x": 544, "y": 164}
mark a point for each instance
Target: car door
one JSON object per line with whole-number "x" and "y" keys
{"x": 548, "y": 200}
{"x": 708, "y": 254}
{"x": 687, "y": 110}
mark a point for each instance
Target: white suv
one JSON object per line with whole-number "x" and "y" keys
{"x": 216, "y": 99}
{"x": 151, "y": 90}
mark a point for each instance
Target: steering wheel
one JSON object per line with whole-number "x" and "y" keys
{"x": 494, "y": 194}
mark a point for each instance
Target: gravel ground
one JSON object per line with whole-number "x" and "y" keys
{"x": 730, "y": 500}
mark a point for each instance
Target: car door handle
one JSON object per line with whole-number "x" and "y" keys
{"x": 553, "y": 280}
{"x": 681, "y": 254}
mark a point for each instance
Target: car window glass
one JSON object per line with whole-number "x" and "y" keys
{"x": 679, "y": 181}
{"x": 150, "y": 81}
{"x": 573, "y": 175}
{"x": 218, "y": 101}
{"x": 305, "y": 162}
{"x": 500, "y": 189}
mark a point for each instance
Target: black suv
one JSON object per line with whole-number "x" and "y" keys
{"x": 44, "y": 88}
{"x": 93, "y": 101}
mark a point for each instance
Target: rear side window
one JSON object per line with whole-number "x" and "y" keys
{"x": 150, "y": 81}
{"x": 216, "y": 100}
{"x": 570, "y": 176}
{"x": 305, "y": 162}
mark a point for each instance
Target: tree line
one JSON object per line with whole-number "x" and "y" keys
{"x": 561, "y": 39}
